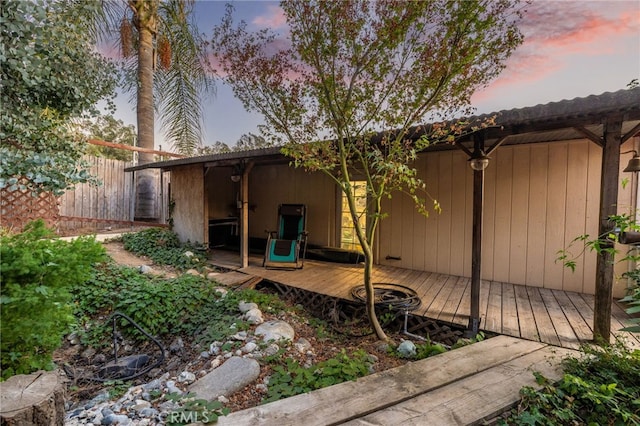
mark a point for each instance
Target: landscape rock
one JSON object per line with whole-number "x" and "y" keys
{"x": 271, "y": 350}
{"x": 145, "y": 269}
{"x": 177, "y": 345}
{"x": 186, "y": 377}
{"x": 249, "y": 347}
{"x": 171, "y": 387}
{"x": 275, "y": 330}
{"x": 302, "y": 345}
{"x": 247, "y": 306}
{"x": 241, "y": 335}
{"x": 124, "y": 367}
{"x": 407, "y": 349}
{"x": 233, "y": 375}
{"x": 254, "y": 316}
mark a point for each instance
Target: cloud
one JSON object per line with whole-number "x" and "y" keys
{"x": 559, "y": 32}
{"x": 274, "y": 18}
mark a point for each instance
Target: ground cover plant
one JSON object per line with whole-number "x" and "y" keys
{"x": 599, "y": 387}
{"x": 164, "y": 248}
{"x": 37, "y": 274}
{"x": 199, "y": 312}
{"x": 186, "y": 305}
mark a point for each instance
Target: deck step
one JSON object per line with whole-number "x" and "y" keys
{"x": 462, "y": 386}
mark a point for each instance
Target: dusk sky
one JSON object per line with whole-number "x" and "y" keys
{"x": 571, "y": 49}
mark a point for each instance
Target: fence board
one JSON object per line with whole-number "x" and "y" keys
{"x": 105, "y": 205}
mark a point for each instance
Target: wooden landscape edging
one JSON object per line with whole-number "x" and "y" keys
{"x": 368, "y": 397}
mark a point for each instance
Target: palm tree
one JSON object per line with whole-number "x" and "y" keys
{"x": 165, "y": 65}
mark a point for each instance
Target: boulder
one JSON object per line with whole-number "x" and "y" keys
{"x": 275, "y": 330}
{"x": 233, "y": 375}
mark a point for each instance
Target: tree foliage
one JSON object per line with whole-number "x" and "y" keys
{"x": 351, "y": 84}
{"x": 110, "y": 129}
{"x": 48, "y": 74}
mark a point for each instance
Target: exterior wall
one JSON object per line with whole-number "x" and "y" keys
{"x": 221, "y": 193}
{"x": 538, "y": 198}
{"x": 187, "y": 191}
{"x": 270, "y": 186}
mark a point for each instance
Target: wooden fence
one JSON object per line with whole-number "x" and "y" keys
{"x": 89, "y": 207}
{"x": 109, "y": 205}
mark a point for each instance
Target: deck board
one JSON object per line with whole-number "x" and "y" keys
{"x": 510, "y": 325}
{"x": 555, "y": 317}
{"x": 544, "y": 323}
{"x": 526, "y": 320}
{"x": 580, "y": 327}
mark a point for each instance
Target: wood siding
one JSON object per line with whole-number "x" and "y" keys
{"x": 270, "y": 186}
{"x": 190, "y": 211}
{"x": 538, "y": 198}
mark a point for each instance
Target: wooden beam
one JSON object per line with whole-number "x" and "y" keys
{"x": 608, "y": 206}
{"x": 631, "y": 133}
{"x": 459, "y": 145}
{"x": 244, "y": 215}
{"x": 496, "y": 145}
{"x": 133, "y": 148}
{"x": 590, "y": 135}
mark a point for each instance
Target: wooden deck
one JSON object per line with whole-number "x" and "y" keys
{"x": 555, "y": 317}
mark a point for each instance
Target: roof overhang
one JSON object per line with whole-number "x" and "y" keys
{"x": 577, "y": 118}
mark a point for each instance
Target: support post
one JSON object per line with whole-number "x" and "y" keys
{"x": 476, "y": 243}
{"x": 476, "y": 251}
{"x": 608, "y": 206}
{"x": 244, "y": 216}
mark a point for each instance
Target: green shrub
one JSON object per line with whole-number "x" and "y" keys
{"x": 37, "y": 272}
{"x": 632, "y": 299}
{"x": 187, "y": 304}
{"x": 163, "y": 247}
{"x": 160, "y": 306}
{"x": 601, "y": 387}
{"x": 293, "y": 379}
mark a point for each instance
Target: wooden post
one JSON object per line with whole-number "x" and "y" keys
{"x": 476, "y": 242}
{"x": 608, "y": 206}
{"x": 244, "y": 216}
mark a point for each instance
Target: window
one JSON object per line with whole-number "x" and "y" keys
{"x": 348, "y": 237}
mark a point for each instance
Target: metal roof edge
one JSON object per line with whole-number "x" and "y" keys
{"x": 621, "y": 101}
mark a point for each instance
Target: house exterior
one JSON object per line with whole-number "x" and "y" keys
{"x": 542, "y": 189}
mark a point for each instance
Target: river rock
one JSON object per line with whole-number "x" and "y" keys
{"x": 275, "y": 330}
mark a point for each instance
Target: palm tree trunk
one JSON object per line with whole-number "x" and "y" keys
{"x": 146, "y": 199}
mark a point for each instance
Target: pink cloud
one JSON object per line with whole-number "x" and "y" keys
{"x": 273, "y": 19}
{"x": 555, "y": 32}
